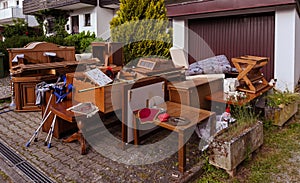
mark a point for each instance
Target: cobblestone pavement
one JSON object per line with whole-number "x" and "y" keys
{"x": 105, "y": 161}
{"x": 5, "y": 91}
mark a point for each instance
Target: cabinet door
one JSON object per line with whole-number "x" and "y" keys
{"x": 28, "y": 97}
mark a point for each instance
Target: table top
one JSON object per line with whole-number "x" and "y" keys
{"x": 221, "y": 97}
{"x": 192, "y": 83}
{"x": 193, "y": 114}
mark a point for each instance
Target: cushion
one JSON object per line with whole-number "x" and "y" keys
{"x": 213, "y": 65}
{"x": 83, "y": 56}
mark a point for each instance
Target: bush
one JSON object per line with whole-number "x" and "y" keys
{"x": 81, "y": 41}
{"x": 21, "y": 28}
{"x": 142, "y": 26}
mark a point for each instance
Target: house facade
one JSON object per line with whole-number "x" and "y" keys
{"x": 241, "y": 27}
{"x": 85, "y": 15}
{"x": 13, "y": 9}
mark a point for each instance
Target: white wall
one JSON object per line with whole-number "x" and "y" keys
{"x": 104, "y": 17}
{"x": 285, "y": 48}
{"x": 32, "y": 22}
{"x": 180, "y": 35}
{"x": 100, "y": 18}
{"x": 297, "y": 49}
{"x": 81, "y": 15}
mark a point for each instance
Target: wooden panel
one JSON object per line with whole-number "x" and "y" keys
{"x": 34, "y": 52}
{"x": 28, "y": 92}
{"x": 101, "y": 97}
{"x": 179, "y": 96}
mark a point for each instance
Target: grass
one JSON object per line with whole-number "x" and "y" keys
{"x": 270, "y": 164}
{"x": 4, "y": 177}
{"x": 7, "y": 100}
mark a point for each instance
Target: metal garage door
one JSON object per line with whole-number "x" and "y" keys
{"x": 234, "y": 36}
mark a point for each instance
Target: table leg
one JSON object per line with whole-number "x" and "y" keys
{"x": 135, "y": 131}
{"x": 83, "y": 144}
{"x": 78, "y": 136}
{"x": 181, "y": 152}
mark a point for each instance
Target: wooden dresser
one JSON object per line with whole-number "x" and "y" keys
{"x": 193, "y": 92}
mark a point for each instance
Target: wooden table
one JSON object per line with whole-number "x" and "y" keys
{"x": 221, "y": 97}
{"x": 195, "y": 116}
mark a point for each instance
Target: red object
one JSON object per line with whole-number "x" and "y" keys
{"x": 109, "y": 72}
{"x": 109, "y": 68}
{"x": 163, "y": 117}
{"x": 148, "y": 115}
{"x": 227, "y": 109}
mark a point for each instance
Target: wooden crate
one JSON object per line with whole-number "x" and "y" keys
{"x": 107, "y": 98}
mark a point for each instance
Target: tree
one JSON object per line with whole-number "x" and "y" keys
{"x": 142, "y": 26}
{"x": 58, "y": 17}
{"x": 18, "y": 28}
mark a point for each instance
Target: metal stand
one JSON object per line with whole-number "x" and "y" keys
{"x": 44, "y": 118}
{"x": 50, "y": 133}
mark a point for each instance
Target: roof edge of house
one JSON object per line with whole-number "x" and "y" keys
{"x": 214, "y": 6}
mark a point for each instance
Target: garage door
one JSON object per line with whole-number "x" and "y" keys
{"x": 234, "y": 36}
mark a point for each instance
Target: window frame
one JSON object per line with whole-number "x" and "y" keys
{"x": 87, "y": 19}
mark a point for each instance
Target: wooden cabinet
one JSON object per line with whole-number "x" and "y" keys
{"x": 193, "y": 92}
{"x": 37, "y": 62}
{"x": 24, "y": 91}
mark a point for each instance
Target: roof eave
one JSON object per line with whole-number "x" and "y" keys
{"x": 213, "y": 6}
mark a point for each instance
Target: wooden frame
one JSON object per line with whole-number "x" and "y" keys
{"x": 146, "y": 64}
{"x": 140, "y": 83}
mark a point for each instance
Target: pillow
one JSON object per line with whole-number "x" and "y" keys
{"x": 83, "y": 56}
{"x": 213, "y": 65}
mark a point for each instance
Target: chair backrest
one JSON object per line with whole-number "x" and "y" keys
{"x": 179, "y": 57}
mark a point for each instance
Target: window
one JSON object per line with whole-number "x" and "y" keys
{"x": 87, "y": 19}
{"x": 5, "y": 5}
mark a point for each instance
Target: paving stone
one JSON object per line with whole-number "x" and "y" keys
{"x": 64, "y": 163}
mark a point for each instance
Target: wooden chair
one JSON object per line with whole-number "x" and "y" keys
{"x": 249, "y": 68}
{"x": 60, "y": 111}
